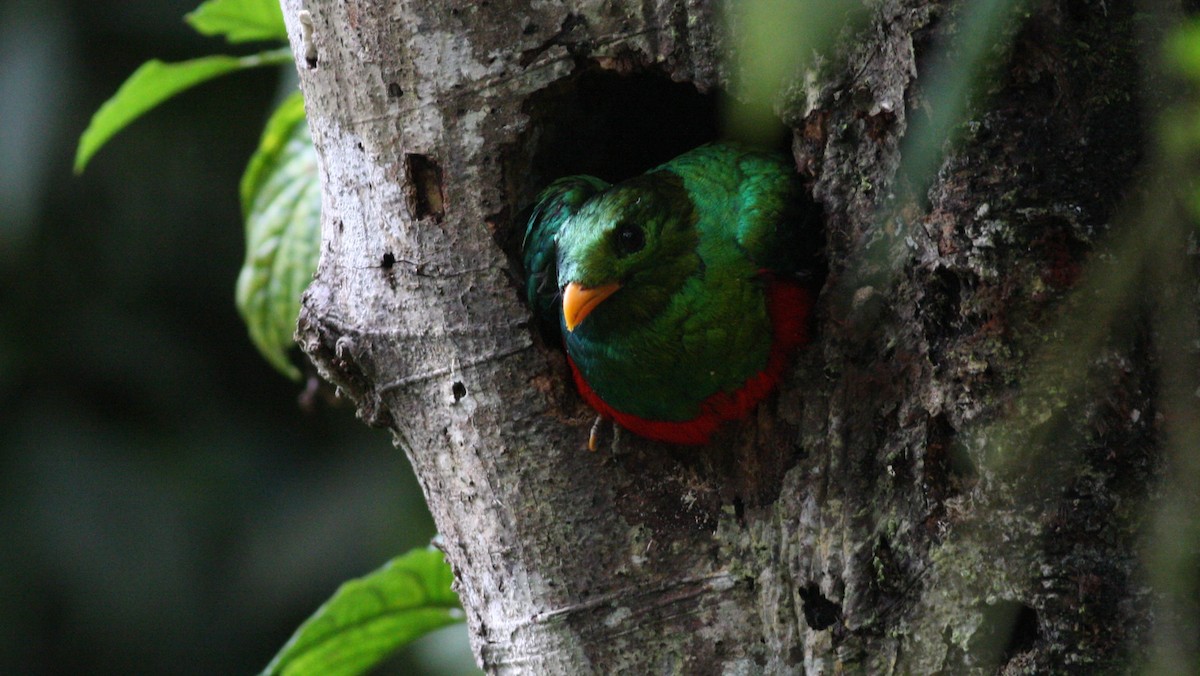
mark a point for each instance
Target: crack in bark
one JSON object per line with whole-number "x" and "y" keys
{"x": 716, "y": 582}
{"x": 447, "y": 370}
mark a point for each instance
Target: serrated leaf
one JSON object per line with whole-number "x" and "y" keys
{"x": 281, "y": 204}
{"x": 239, "y": 20}
{"x": 155, "y": 82}
{"x": 369, "y": 618}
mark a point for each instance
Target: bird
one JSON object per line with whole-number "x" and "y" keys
{"x": 680, "y": 294}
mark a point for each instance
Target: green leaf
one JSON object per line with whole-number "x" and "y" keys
{"x": 155, "y": 82}
{"x": 239, "y": 20}
{"x": 369, "y": 618}
{"x": 281, "y": 204}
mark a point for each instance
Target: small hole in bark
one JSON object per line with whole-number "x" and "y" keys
{"x": 1009, "y": 628}
{"x": 1024, "y": 634}
{"x": 459, "y": 390}
{"x": 424, "y": 187}
{"x": 388, "y": 261}
{"x": 394, "y": 90}
{"x": 819, "y": 612}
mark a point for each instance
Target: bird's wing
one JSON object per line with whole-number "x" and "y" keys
{"x": 753, "y": 199}
{"x": 554, "y": 206}
{"x": 777, "y": 225}
{"x": 771, "y": 224}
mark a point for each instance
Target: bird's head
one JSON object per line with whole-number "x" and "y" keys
{"x": 627, "y": 250}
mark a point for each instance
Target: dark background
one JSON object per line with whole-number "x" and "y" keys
{"x": 165, "y": 506}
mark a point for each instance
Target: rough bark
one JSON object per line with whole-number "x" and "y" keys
{"x": 861, "y": 520}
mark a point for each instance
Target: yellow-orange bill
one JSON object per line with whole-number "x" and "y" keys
{"x": 578, "y": 301}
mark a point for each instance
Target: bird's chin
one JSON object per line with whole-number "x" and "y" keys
{"x": 595, "y": 330}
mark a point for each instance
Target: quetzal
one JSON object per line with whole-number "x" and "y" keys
{"x": 680, "y": 293}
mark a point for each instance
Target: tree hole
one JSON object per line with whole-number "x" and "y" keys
{"x": 1009, "y": 628}
{"x": 616, "y": 124}
{"x": 819, "y": 612}
{"x": 613, "y": 126}
{"x": 423, "y": 187}
{"x": 458, "y": 390}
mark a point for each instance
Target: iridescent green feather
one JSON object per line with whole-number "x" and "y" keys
{"x": 555, "y": 204}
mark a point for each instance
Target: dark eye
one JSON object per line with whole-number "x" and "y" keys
{"x": 629, "y": 238}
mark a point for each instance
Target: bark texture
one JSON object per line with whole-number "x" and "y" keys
{"x": 902, "y": 506}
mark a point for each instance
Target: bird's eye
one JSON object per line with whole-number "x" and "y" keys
{"x": 629, "y": 238}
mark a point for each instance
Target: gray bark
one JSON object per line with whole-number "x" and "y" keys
{"x": 860, "y": 521}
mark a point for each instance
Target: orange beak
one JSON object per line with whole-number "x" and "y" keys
{"x": 579, "y": 302}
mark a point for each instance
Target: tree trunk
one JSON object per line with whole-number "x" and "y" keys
{"x": 907, "y": 503}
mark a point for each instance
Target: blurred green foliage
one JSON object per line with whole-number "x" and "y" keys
{"x": 777, "y": 42}
{"x": 1172, "y": 283}
{"x": 165, "y": 506}
{"x": 240, "y": 20}
{"x": 281, "y": 197}
{"x": 1179, "y": 128}
{"x": 367, "y": 619}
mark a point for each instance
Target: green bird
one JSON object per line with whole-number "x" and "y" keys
{"x": 680, "y": 294}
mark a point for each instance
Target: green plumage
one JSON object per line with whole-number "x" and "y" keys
{"x": 690, "y": 318}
